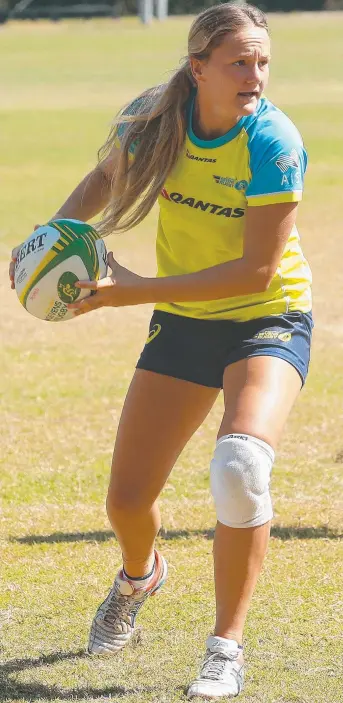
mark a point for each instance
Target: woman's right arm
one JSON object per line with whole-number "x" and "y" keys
{"x": 93, "y": 194}
{"x": 89, "y": 198}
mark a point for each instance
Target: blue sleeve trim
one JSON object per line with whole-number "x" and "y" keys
{"x": 278, "y": 159}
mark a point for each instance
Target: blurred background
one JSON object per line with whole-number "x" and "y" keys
{"x": 57, "y": 9}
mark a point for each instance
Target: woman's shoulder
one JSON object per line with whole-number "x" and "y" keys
{"x": 271, "y": 124}
{"x": 277, "y": 158}
{"x": 141, "y": 105}
{"x": 143, "y": 102}
{"x": 274, "y": 138}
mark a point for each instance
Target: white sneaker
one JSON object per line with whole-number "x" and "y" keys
{"x": 222, "y": 673}
{"x": 114, "y": 621}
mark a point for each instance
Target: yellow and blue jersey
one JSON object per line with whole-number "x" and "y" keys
{"x": 203, "y": 206}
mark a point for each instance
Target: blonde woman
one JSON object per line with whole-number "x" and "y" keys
{"x": 233, "y": 311}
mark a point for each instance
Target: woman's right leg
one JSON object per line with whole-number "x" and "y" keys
{"x": 159, "y": 416}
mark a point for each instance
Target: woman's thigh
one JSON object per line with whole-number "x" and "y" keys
{"x": 159, "y": 416}
{"x": 259, "y": 393}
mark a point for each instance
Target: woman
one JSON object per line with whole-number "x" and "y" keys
{"x": 233, "y": 311}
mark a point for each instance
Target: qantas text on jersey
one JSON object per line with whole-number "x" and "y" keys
{"x": 210, "y": 208}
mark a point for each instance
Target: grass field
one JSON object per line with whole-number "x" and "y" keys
{"x": 62, "y": 389}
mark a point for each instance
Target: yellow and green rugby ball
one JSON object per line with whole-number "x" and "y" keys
{"x": 50, "y": 262}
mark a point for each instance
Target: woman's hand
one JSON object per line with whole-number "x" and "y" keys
{"x": 122, "y": 287}
{"x": 16, "y": 249}
{"x": 11, "y": 268}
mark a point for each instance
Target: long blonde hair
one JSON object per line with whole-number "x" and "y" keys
{"x": 155, "y": 123}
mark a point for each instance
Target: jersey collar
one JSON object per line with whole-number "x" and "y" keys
{"x": 211, "y": 143}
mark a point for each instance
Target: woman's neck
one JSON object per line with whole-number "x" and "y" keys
{"x": 208, "y": 123}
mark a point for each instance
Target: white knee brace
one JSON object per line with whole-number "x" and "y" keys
{"x": 240, "y": 475}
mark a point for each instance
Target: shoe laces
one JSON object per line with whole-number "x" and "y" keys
{"x": 215, "y": 664}
{"x": 121, "y": 606}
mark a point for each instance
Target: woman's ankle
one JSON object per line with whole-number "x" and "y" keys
{"x": 139, "y": 568}
{"x": 229, "y": 634}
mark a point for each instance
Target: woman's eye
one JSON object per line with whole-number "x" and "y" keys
{"x": 242, "y": 62}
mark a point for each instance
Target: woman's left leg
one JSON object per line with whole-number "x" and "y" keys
{"x": 259, "y": 393}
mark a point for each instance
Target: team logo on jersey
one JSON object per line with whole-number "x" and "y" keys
{"x": 231, "y": 183}
{"x": 210, "y": 208}
{"x": 200, "y": 158}
{"x": 285, "y": 162}
{"x": 293, "y": 178}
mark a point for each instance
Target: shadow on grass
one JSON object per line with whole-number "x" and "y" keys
{"x": 11, "y": 690}
{"x": 278, "y": 532}
{"x": 57, "y": 537}
{"x": 321, "y": 532}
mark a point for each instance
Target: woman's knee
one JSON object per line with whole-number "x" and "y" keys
{"x": 240, "y": 475}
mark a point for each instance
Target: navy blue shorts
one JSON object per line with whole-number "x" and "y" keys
{"x": 200, "y": 350}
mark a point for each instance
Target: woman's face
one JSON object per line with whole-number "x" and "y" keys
{"x": 233, "y": 78}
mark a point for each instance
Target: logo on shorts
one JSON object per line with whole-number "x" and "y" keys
{"x": 285, "y": 336}
{"x": 274, "y": 334}
{"x": 155, "y": 330}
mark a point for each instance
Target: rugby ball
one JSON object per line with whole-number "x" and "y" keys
{"x": 50, "y": 262}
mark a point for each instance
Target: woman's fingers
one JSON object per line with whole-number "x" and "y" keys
{"x": 11, "y": 268}
{"x": 92, "y": 302}
{"x": 107, "y": 282}
{"x": 11, "y": 271}
{"x": 83, "y": 306}
{"x": 102, "y": 297}
{"x": 111, "y": 260}
{"x": 11, "y": 274}
{"x": 87, "y": 285}
{"x": 80, "y": 305}
{"x": 14, "y": 255}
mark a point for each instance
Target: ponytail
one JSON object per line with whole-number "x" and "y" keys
{"x": 154, "y": 127}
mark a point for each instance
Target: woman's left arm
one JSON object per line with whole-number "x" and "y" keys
{"x": 266, "y": 233}
{"x": 267, "y": 230}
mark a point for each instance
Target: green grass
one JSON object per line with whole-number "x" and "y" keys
{"x": 62, "y": 390}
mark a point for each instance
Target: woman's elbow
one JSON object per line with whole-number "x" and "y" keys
{"x": 261, "y": 280}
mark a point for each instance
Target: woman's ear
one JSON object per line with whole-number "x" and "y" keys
{"x": 197, "y": 68}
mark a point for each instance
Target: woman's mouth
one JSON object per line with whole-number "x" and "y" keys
{"x": 249, "y": 94}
